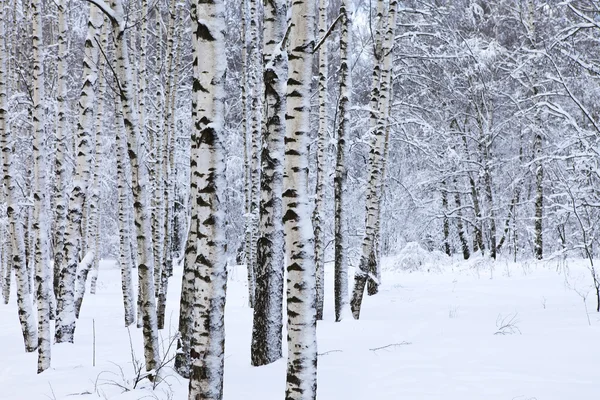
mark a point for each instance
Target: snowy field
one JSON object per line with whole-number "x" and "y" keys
{"x": 442, "y": 327}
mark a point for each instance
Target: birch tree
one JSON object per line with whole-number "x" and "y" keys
{"x": 40, "y": 196}
{"x": 208, "y": 311}
{"x": 17, "y": 236}
{"x": 375, "y": 186}
{"x": 125, "y": 256}
{"x": 140, "y": 185}
{"x": 66, "y": 308}
{"x": 268, "y": 324}
{"x": 318, "y": 214}
{"x": 255, "y": 158}
{"x": 60, "y": 205}
{"x": 341, "y": 173}
{"x": 301, "y": 281}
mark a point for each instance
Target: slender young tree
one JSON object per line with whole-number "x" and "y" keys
{"x": 6, "y": 271}
{"x": 372, "y": 285}
{"x": 321, "y": 162}
{"x": 66, "y": 308}
{"x": 268, "y": 308}
{"x": 208, "y": 311}
{"x": 369, "y": 249}
{"x": 43, "y": 275}
{"x": 301, "y": 282}
{"x": 94, "y": 220}
{"x": 16, "y": 233}
{"x": 60, "y": 204}
{"x": 168, "y": 158}
{"x": 341, "y": 172}
{"x": 125, "y": 256}
{"x": 137, "y": 152}
{"x": 254, "y": 83}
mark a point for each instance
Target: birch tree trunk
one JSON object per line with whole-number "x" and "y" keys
{"x": 40, "y": 197}
{"x": 374, "y": 115}
{"x": 60, "y": 205}
{"x": 168, "y": 165}
{"x": 268, "y": 308}
{"x": 125, "y": 256}
{"x": 140, "y": 187}
{"x": 538, "y": 247}
{"x": 375, "y": 186}
{"x": 17, "y": 242}
{"x": 66, "y": 308}
{"x": 301, "y": 282}
{"x": 6, "y": 274}
{"x": 460, "y": 226}
{"x": 247, "y": 157}
{"x": 341, "y": 172}
{"x": 255, "y": 126}
{"x": 94, "y": 221}
{"x": 208, "y": 331}
{"x": 321, "y": 163}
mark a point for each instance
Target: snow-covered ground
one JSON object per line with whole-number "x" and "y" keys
{"x": 441, "y": 326}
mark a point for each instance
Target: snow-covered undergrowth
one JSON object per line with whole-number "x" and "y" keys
{"x": 469, "y": 330}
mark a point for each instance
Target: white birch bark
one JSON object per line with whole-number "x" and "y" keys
{"x": 125, "y": 256}
{"x": 66, "y": 309}
{"x": 208, "y": 331}
{"x": 255, "y": 130}
{"x": 6, "y": 274}
{"x": 94, "y": 221}
{"x": 373, "y": 285}
{"x": 321, "y": 162}
{"x": 140, "y": 187}
{"x": 301, "y": 291}
{"x": 247, "y": 156}
{"x": 168, "y": 165}
{"x": 268, "y": 307}
{"x": 17, "y": 242}
{"x": 41, "y": 200}
{"x": 60, "y": 204}
{"x": 375, "y": 186}
{"x": 341, "y": 172}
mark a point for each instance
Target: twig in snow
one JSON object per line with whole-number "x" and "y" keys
{"x": 507, "y": 325}
{"x": 329, "y": 352}
{"x": 394, "y": 345}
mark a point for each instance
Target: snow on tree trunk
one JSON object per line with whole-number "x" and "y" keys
{"x": 41, "y": 200}
{"x": 268, "y": 307}
{"x": 81, "y": 280}
{"x": 125, "y": 256}
{"x": 321, "y": 163}
{"x": 141, "y": 192}
{"x": 6, "y": 274}
{"x": 207, "y": 345}
{"x": 375, "y": 185}
{"x": 168, "y": 166}
{"x": 460, "y": 226}
{"x": 538, "y": 246}
{"x": 374, "y": 115}
{"x": 301, "y": 282}
{"x": 94, "y": 220}
{"x": 60, "y": 204}
{"x": 137, "y": 152}
{"x": 65, "y": 319}
{"x": 247, "y": 157}
{"x": 341, "y": 172}
{"x": 17, "y": 236}
{"x": 255, "y": 133}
